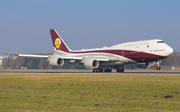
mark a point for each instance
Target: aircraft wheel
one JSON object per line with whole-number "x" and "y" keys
{"x": 158, "y": 68}
{"x": 120, "y": 70}
{"x": 110, "y": 70}
{"x": 100, "y": 70}
{"x": 107, "y": 70}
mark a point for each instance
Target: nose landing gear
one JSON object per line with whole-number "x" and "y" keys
{"x": 158, "y": 68}
{"x": 157, "y": 65}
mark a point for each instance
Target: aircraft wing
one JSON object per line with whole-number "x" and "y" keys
{"x": 81, "y": 58}
{"x": 64, "y": 57}
{"x": 45, "y": 56}
{"x": 30, "y": 55}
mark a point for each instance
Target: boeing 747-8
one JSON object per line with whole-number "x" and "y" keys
{"x": 143, "y": 53}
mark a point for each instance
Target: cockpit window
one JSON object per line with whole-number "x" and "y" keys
{"x": 160, "y": 41}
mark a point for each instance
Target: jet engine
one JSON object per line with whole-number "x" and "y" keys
{"x": 56, "y": 61}
{"x": 91, "y": 64}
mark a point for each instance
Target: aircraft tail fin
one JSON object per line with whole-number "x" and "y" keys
{"x": 58, "y": 43}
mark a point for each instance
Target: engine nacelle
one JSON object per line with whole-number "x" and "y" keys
{"x": 91, "y": 64}
{"x": 56, "y": 61}
{"x": 142, "y": 65}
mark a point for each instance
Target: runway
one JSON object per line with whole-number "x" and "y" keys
{"x": 102, "y": 73}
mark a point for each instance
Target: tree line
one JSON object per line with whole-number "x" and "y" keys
{"x": 11, "y": 62}
{"x": 14, "y": 62}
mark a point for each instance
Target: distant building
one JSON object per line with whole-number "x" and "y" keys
{"x": 0, "y": 61}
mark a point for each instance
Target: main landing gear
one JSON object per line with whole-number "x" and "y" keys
{"x": 120, "y": 70}
{"x": 101, "y": 70}
{"x": 108, "y": 70}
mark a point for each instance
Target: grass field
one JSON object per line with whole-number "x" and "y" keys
{"x": 88, "y": 92}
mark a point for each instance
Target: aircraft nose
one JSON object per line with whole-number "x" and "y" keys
{"x": 169, "y": 51}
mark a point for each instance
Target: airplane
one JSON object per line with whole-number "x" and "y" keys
{"x": 143, "y": 53}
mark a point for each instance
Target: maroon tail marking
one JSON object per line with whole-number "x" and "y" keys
{"x": 54, "y": 36}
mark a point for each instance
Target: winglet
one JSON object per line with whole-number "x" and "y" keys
{"x": 58, "y": 43}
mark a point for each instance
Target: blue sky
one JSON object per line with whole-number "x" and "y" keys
{"x": 25, "y": 24}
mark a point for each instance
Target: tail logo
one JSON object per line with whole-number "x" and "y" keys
{"x": 57, "y": 43}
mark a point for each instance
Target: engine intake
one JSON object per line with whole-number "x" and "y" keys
{"x": 56, "y": 61}
{"x": 91, "y": 64}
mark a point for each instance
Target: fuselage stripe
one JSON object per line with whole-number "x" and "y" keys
{"x": 133, "y": 55}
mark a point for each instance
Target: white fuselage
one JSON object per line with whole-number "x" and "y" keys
{"x": 130, "y": 52}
